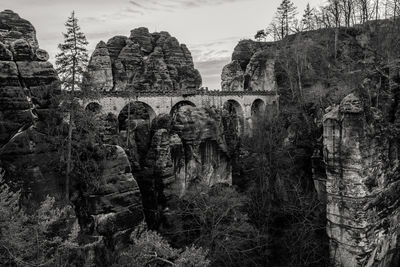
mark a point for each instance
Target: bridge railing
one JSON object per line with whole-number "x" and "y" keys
{"x": 172, "y": 93}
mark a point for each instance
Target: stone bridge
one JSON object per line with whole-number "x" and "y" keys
{"x": 244, "y": 103}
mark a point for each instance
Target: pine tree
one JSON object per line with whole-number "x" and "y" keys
{"x": 260, "y": 35}
{"x": 71, "y": 63}
{"x": 285, "y": 16}
{"x": 308, "y": 22}
{"x": 73, "y": 58}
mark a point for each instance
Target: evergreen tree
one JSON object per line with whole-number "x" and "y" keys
{"x": 260, "y": 35}
{"x": 71, "y": 63}
{"x": 308, "y": 23}
{"x": 73, "y": 57}
{"x": 285, "y": 17}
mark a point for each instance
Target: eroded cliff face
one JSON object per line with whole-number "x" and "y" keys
{"x": 31, "y": 127}
{"x": 252, "y": 68}
{"x": 168, "y": 153}
{"x": 175, "y": 152}
{"x": 143, "y": 61}
{"x": 362, "y": 180}
{"x": 353, "y": 149}
{"x": 28, "y": 89}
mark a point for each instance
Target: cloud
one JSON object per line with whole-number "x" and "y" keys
{"x": 211, "y": 70}
{"x": 210, "y": 58}
{"x": 171, "y": 5}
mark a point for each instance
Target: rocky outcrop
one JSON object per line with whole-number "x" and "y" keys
{"x": 174, "y": 153}
{"x": 28, "y": 87}
{"x": 352, "y": 150}
{"x": 252, "y": 68}
{"x": 144, "y": 61}
{"x": 363, "y": 214}
{"x": 99, "y": 71}
{"x": 27, "y": 81}
{"x": 232, "y": 77}
{"x": 200, "y": 133}
{"x": 114, "y": 207}
{"x": 30, "y": 159}
{"x": 31, "y": 129}
{"x": 13, "y": 27}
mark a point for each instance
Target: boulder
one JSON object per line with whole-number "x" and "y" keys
{"x": 41, "y": 55}
{"x": 21, "y": 50}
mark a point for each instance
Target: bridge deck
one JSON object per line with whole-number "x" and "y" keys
{"x": 164, "y": 101}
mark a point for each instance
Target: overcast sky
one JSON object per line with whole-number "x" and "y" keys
{"x": 210, "y": 28}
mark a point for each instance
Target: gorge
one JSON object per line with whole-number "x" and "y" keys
{"x": 327, "y": 111}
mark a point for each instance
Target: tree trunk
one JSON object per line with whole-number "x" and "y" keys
{"x": 128, "y": 124}
{"x": 377, "y": 10}
{"x": 336, "y": 40}
{"x": 299, "y": 78}
{"x": 71, "y": 120}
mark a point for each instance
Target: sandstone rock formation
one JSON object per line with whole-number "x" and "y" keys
{"x": 252, "y": 68}
{"x": 28, "y": 85}
{"x": 144, "y": 61}
{"x": 354, "y": 162}
{"x": 99, "y": 69}
{"x": 30, "y": 132}
{"x": 27, "y": 81}
{"x": 175, "y": 152}
{"x": 362, "y": 212}
{"x": 114, "y": 208}
{"x": 198, "y": 134}
{"x": 232, "y": 77}
{"x": 13, "y": 27}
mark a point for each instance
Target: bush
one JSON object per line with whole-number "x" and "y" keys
{"x": 150, "y": 249}
{"x": 30, "y": 239}
{"x": 215, "y": 219}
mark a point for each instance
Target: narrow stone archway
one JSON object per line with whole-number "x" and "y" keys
{"x": 93, "y": 107}
{"x": 257, "y": 108}
{"x": 179, "y": 105}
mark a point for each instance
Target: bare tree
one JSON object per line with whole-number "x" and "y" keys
{"x": 285, "y": 17}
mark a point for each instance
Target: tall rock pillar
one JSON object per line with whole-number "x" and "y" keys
{"x": 362, "y": 188}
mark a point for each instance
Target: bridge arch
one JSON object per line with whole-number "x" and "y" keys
{"x": 175, "y": 108}
{"x": 93, "y": 107}
{"x": 236, "y": 115}
{"x": 258, "y": 107}
{"x": 135, "y": 110}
